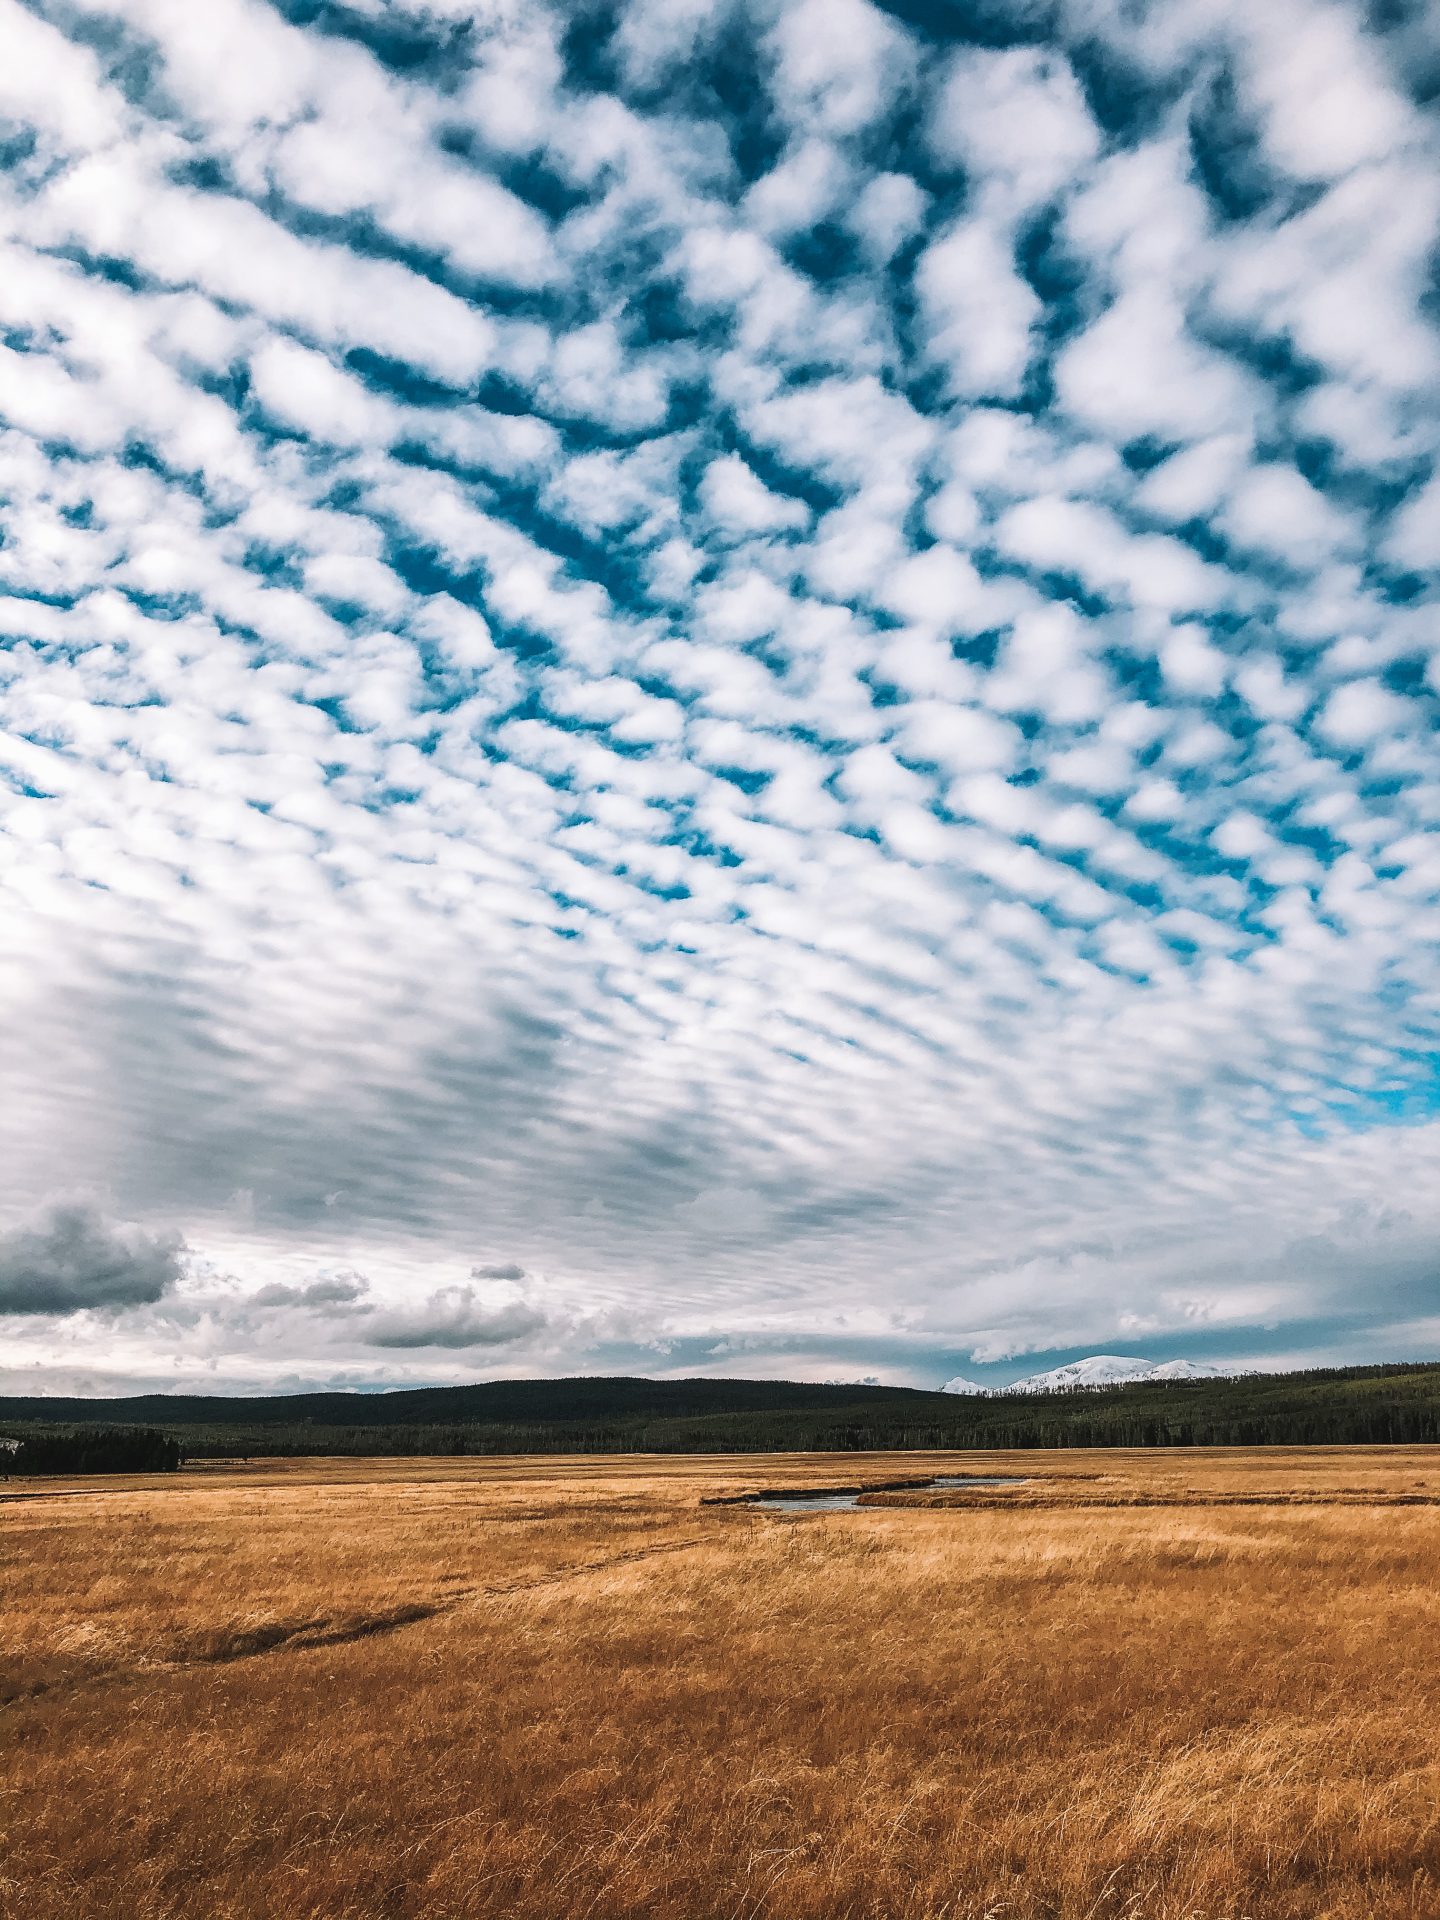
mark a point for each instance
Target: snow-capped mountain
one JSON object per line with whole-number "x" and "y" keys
{"x": 1096, "y": 1370}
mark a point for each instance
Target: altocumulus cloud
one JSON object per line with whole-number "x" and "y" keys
{"x": 688, "y": 681}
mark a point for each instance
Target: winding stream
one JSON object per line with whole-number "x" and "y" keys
{"x": 846, "y": 1499}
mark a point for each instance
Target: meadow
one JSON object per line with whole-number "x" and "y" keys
{"x": 1188, "y": 1685}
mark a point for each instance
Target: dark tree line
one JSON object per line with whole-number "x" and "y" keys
{"x": 93, "y": 1450}
{"x": 1309, "y": 1411}
{"x": 1334, "y": 1406}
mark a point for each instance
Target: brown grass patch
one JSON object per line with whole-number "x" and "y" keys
{"x": 1188, "y": 1686}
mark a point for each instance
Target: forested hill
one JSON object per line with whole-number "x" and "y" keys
{"x": 583, "y": 1398}
{"x": 1352, "y": 1405}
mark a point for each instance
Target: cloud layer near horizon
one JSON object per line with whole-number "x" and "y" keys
{"x": 713, "y": 685}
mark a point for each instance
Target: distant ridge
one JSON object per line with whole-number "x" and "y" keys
{"x": 583, "y": 1397}
{"x": 1336, "y": 1406}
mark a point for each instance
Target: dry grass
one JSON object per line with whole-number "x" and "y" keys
{"x": 567, "y": 1690}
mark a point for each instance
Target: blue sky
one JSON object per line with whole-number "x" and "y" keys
{"x": 719, "y": 687}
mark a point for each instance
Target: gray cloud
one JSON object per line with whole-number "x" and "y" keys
{"x": 331, "y": 1290}
{"x": 460, "y": 1316}
{"x": 73, "y": 1258}
{"x": 508, "y": 1271}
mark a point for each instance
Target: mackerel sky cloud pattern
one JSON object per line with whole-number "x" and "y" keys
{"x": 717, "y": 685}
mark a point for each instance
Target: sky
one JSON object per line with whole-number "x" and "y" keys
{"x": 716, "y": 686}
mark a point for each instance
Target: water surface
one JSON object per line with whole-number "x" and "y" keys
{"x": 846, "y": 1499}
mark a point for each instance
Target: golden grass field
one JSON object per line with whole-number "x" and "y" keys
{"x": 1193, "y": 1686}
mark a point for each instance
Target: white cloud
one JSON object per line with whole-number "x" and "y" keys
{"x": 345, "y": 168}
{"x": 1193, "y": 482}
{"x": 50, "y": 83}
{"x": 938, "y": 588}
{"x": 838, "y": 63}
{"x": 740, "y": 503}
{"x": 110, "y": 207}
{"x": 1358, "y": 713}
{"x": 800, "y": 191}
{"x": 888, "y": 211}
{"x": 1276, "y": 508}
{"x": 302, "y": 389}
{"x": 1017, "y": 120}
{"x": 1414, "y": 537}
{"x": 1326, "y": 103}
{"x": 1081, "y": 538}
{"x": 1137, "y": 370}
{"x": 979, "y": 312}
